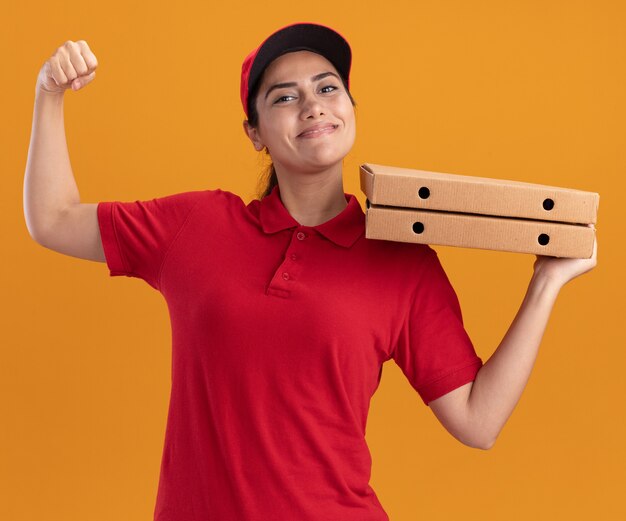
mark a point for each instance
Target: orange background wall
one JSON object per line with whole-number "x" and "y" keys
{"x": 526, "y": 90}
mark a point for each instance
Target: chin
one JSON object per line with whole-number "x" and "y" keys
{"x": 328, "y": 161}
{"x": 330, "y": 156}
{"x": 315, "y": 161}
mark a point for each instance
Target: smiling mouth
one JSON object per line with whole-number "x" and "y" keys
{"x": 313, "y": 133}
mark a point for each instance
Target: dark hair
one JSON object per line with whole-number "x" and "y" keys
{"x": 268, "y": 179}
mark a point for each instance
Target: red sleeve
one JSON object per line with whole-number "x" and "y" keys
{"x": 434, "y": 350}
{"x": 137, "y": 235}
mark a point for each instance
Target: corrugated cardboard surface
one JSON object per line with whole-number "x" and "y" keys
{"x": 472, "y": 231}
{"x": 409, "y": 188}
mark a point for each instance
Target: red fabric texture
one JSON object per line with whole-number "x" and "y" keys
{"x": 279, "y": 336}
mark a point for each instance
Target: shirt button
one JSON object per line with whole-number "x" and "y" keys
{"x": 294, "y": 256}
{"x": 286, "y": 276}
{"x": 301, "y": 236}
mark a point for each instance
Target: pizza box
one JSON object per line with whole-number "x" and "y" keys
{"x": 410, "y": 188}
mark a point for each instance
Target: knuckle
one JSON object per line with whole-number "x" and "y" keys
{"x": 91, "y": 61}
{"x": 83, "y": 46}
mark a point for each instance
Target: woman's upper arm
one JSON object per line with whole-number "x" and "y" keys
{"x": 75, "y": 232}
{"x": 452, "y": 411}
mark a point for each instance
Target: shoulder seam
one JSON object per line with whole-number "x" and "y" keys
{"x": 169, "y": 248}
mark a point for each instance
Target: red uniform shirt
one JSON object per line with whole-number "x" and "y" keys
{"x": 279, "y": 334}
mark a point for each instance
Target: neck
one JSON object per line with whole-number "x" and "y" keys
{"x": 313, "y": 198}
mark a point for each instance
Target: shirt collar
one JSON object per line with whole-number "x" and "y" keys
{"x": 343, "y": 229}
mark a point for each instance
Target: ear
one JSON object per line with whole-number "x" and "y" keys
{"x": 253, "y": 134}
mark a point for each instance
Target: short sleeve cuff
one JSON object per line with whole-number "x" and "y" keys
{"x": 110, "y": 245}
{"x": 449, "y": 382}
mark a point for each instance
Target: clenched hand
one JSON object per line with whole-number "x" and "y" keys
{"x": 73, "y": 65}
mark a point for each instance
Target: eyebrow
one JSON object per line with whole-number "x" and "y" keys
{"x": 294, "y": 84}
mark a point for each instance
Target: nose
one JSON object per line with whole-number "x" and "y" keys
{"x": 312, "y": 106}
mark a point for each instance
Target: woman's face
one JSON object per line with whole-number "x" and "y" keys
{"x": 314, "y": 97}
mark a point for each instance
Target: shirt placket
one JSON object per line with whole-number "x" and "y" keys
{"x": 289, "y": 271}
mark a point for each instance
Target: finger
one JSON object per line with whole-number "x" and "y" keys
{"x": 79, "y": 83}
{"x": 594, "y": 254}
{"x": 77, "y": 60}
{"x": 89, "y": 57}
{"x": 66, "y": 65}
{"x": 57, "y": 72}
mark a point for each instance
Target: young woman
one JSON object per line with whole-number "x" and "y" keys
{"x": 282, "y": 312}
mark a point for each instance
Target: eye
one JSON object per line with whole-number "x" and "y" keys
{"x": 329, "y": 87}
{"x": 282, "y": 98}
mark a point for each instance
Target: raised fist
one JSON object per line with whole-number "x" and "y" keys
{"x": 73, "y": 65}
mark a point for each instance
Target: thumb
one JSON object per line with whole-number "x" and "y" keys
{"x": 81, "y": 81}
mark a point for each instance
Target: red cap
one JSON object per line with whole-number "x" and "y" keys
{"x": 295, "y": 37}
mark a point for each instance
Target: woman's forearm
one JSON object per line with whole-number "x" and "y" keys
{"x": 499, "y": 383}
{"x": 49, "y": 184}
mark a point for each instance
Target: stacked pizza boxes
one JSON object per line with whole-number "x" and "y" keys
{"x": 418, "y": 206}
